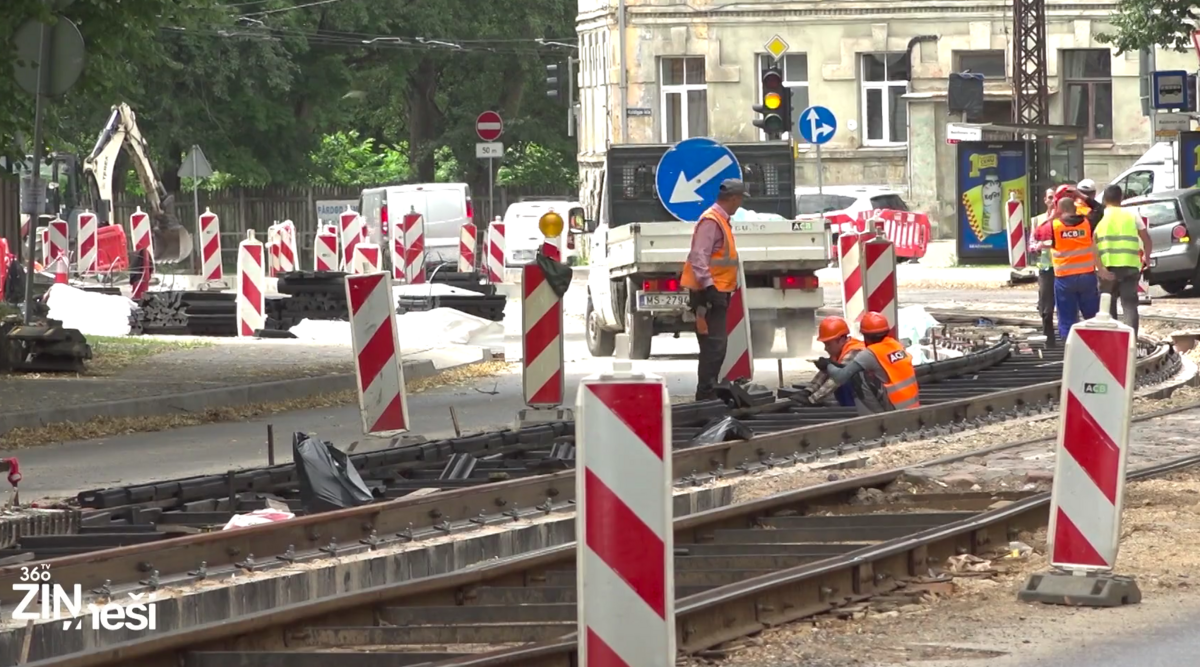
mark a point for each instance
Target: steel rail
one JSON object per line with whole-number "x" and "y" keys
{"x": 703, "y": 620}
{"x": 343, "y": 532}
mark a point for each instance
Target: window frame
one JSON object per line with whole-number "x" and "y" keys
{"x": 958, "y": 66}
{"x": 764, "y": 60}
{"x": 681, "y": 89}
{"x": 1090, "y": 82}
{"x": 884, "y": 87}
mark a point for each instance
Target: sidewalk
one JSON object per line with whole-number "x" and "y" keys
{"x": 187, "y": 381}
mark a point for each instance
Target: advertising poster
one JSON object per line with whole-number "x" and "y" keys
{"x": 989, "y": 172}
{"x": 1189, "y": 159}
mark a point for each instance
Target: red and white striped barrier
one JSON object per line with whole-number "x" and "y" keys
{"x": 211, "y": 268}
{"x": 139, "y": 230}
{"x": 325, "y": 251}
{"x": 140, "y": 280}
{"x": 1018, "y": 255}
{"x": 1093, "y": 441}
{"x": 57, "y": 240}
{"x": 25, "y": 218}
{"x": 286, "y": 238}
{"x": 396, "y": 255}
{"x": 88, "y": 258}
{"x": 739, "y": 358}
{"x": 880, "y": 284}
{"x": 43, "y": 237}
{"x": 414, "y": 248}
{"x": 272, "y": 257}
{"x": 626, "y": 563}
{"x": 466, "y": 247}
{"x": 367, "y": 259}
{"x": 351, "y": 231}
{"x": 541, "y": 340}
{"x": 251, "y": 286}
{"x": 373, "y": 332}
{"x": 496, "y": 248}
{"x": 854, "y": 300}
{"x": 550, "y": 249}
{"x": 909, "y": 231}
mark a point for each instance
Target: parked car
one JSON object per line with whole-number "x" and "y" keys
{"x": 841, "y": 204}
{"x": 445, "y": 206}
{"x": 523, "y": 238}
{"x": 1173, "y": 220}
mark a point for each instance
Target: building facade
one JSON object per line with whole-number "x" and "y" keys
{"x": 659, "y": 71}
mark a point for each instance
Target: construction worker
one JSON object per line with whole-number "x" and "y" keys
{"x": 1043, "y": 232}
{"x": 834, "y": 333}
{"x": 1087, "y": 197}
{"x": 711, "y": 276}
{"x": 1119, "y": 240}
{"x": 1076, "y": 266}
{"x": 886, "y": 364}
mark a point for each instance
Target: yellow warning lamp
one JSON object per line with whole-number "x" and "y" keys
{"x": 773, "y": 101}
{"x": 550, "y": 224}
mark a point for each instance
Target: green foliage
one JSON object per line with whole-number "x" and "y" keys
{"x": 532, "y": 165}
{"x": 1142, "y": 24}
{"x": 345, "y": 158}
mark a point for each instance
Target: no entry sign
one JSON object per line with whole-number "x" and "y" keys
{"x": 489, "y": 126}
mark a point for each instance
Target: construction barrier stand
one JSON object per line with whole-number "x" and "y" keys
{"x": 466, "y": 247}
{"x": 626, "y": 582}
{"x": 211, "y": 263}
{"x": 880, "y": 284}
{"x": 88, "y": 258}
{"x": 251, "y": 286}
{"x": 739, "y": 358}
{"x": 1018, "y": 255}
{"x": 44, "y": 238}
{"x": 414, "y": 248}
{"x": 367, "y": 259}
{"x": 350, "y": 224}
{"x": 325, "y": 251}
{"x": 854, "y": 301}
{"x": 377, "y": 357}
{"x": 57, "y": 234}
{"x": 496, "y": 248}
{"x": 139, "y": 230}
{"x": 541, "y": 340}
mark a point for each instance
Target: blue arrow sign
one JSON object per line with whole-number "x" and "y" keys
{"x": 817, "y": 125}
{"x": 689, "y": 176}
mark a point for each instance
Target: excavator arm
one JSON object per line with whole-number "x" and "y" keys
{"x": 172, "y": 242}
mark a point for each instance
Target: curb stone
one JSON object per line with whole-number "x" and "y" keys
{"x": 276, "y": 391}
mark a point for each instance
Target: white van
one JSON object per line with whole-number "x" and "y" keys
{"x": 523, "y": 238}
{"x": 1153, "y": 172}
{"x": 446, "y": 207}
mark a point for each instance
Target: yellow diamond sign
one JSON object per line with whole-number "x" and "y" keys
{"x": 776, "y": 47}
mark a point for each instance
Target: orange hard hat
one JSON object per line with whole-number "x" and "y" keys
{"x": 832, "y": 328}
{"x": 874, "y": 323}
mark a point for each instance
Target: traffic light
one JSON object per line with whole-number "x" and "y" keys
{"x": 554, "y": 81}
{"x": 776, "y": 107}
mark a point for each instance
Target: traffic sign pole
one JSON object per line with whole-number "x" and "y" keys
{"x": 490, "y": 126}
{"x": 817, "y": 125}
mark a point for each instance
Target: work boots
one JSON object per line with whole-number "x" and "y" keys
{"x": 1050, "y": 332}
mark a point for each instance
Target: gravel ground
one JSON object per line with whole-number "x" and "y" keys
{"x": 979, "y": 622}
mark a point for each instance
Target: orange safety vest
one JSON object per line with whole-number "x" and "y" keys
{"x": 1073, "y": 253}
{"x": 724, "y": 263}
{"x": 901, "y": 384}
{"x": 852, "y": 344}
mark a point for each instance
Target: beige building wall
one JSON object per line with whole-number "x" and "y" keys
{"x": 730, "y": 39}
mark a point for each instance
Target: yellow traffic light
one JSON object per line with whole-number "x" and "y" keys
{"x": 550, "y": 224}
{"x": 773, "y": 101}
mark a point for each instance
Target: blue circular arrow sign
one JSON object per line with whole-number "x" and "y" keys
{"x": 817, "y": 125}
{"x": 689, "y": 176}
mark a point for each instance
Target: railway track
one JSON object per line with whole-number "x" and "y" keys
{"x": 738, "y": 570}
{"x": 1021, "y": 377}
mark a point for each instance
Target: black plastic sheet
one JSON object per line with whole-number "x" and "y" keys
{"x": 328, "y": 480}
{"x": 558, "y": 275}
{"x": 725, "y": 429}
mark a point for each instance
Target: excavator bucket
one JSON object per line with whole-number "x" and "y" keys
{"x": 172, "y": 241}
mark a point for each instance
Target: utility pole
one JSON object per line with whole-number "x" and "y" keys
{"x": 1030, "y": 94}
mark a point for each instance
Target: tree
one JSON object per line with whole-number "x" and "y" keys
{"x": 1146, "y": 24}
{"x": 532, "y": 165}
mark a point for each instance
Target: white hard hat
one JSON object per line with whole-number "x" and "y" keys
{"x": 1087, "y": 184}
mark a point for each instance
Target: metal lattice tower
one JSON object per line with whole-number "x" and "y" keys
{"x": 1030, "y": 95}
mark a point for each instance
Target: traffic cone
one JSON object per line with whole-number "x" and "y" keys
{"x": 60, "y": 271}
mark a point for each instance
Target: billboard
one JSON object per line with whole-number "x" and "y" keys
{"x": 988, "y": 173}
{"x": 1189, "y": 159}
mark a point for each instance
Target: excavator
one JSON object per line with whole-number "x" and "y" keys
{"x": 73, "y": 188}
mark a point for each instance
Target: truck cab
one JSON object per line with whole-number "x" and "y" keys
{"x": 637, "y": 252}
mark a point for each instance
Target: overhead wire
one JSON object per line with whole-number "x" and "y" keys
{"x": 534, "y": 47}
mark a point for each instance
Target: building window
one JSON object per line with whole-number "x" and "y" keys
{"x": 988, "y": 63}
{"x": 884, "y": 111}
{"x": 684, "y": 99}
{"x": 1087, "y": 82}
{"x": 795, "y": 78}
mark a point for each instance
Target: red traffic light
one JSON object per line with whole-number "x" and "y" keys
{"x": 772, "y": 80}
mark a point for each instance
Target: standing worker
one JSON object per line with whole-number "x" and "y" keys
{"x": 1087, "y": 196}
{"x": 1119, "y": 240}
{"x": 886, "y": 364}
{"x": 1076, "y": 265}
{"x": 1042, "y": 234}
{"x": 711, "y": 276}
{"x": 834, "y": 334}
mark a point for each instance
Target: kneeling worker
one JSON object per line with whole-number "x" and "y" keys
{"x": 887, "y": 365}
{"x": 834, "y": 334}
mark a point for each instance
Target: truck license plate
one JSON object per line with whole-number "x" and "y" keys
{"x": 661, "y": 301}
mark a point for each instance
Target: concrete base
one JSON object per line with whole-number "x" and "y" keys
{"x": 533, "y": 416}
{"x": 317, "y": 575}
{"x": 1080, "y": 590}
